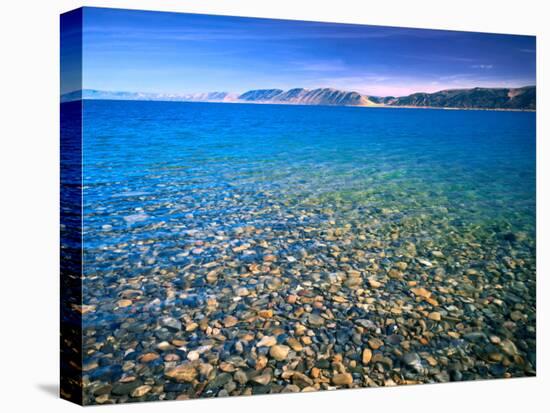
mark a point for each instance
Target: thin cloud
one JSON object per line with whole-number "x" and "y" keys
{"x": 304, "y": 31}
{"x": 208, "y": 34}
{"x": 485, "y": 67}
{"x": 438, "y": 58}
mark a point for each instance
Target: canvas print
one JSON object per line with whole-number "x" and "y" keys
{"x": 256, "y": 206}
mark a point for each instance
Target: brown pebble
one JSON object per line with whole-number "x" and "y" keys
{"x": 295, "y": 344}
{"x": 182, "y": 373}
{"x": 435, "y": 316}
{"x": 124, "y": 303}
{"x": 230, "y": 321}
{"x": 375, "y": 343}
{"x": 265, "y": 313}
{"x": 342, "y": 379}
{"x": 291, "y": 299}
{"x": 367, "y": 356}
{"x": 141, "y": 391}
{"x": 146, "y": 358}
{"x": 279, "y": 352}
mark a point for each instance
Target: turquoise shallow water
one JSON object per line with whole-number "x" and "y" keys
{"x": 408, "y": 226}
{"x": 173, "y": 159}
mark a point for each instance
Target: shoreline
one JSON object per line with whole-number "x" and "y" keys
{"x": 376, "y": 106}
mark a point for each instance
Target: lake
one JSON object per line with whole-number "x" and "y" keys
{"x": 209, "y": 226}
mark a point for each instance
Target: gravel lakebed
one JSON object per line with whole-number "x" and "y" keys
{"x": 305, "y": 298}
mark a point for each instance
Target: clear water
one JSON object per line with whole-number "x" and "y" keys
{"x": 151, "y": 163}
{"x": 170, "y": 187}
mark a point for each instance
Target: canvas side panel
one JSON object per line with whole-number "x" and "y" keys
{"x": 72, "y": 309}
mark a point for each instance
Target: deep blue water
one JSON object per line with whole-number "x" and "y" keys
{"x": 148, "y": 163}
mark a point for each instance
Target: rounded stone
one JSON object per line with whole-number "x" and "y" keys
{"x": 279, "y": 352}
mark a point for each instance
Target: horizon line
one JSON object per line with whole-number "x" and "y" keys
{"x": 183, "y": 94}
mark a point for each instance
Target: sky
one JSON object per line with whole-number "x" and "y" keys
{"x": 156, "y": 52}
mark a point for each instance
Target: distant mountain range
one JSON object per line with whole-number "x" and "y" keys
{"x": 480, "y": 98}
{"x": 325, "y": 96}
{"x": 523, "y": 98}
{"x": 93, "y": 94}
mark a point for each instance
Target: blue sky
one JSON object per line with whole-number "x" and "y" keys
{"x": 143, "y": 51}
